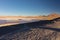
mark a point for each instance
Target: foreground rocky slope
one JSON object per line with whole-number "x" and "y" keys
{"x": 32, "y": 34}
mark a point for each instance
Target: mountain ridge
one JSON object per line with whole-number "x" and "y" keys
{"x": 48, "y": 17}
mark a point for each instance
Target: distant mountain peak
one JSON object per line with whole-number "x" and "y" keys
{"x": 54, "y": 14}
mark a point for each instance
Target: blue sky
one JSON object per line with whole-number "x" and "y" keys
{"x": 28, "y": 7}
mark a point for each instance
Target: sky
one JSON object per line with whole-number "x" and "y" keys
{"x": 29, "y": 7}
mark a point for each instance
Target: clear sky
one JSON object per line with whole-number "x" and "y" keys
{"x": 28, "y": 7}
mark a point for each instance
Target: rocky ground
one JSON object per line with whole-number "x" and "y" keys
{"x": 32, "y": 34}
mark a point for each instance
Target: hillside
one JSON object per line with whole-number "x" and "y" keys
{"x": 40, "y": 30}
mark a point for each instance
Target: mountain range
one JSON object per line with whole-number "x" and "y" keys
{"x": 10, "y": 20}
{"x": 48, "y": 17}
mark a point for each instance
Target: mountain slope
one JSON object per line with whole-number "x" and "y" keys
{"x": 31, "y": 31}
{"x": 39, "y": 30}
